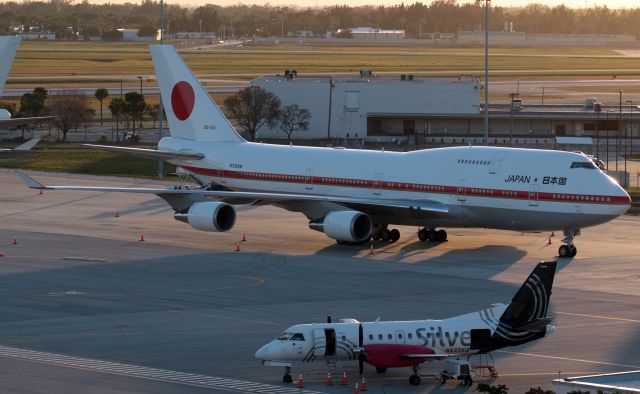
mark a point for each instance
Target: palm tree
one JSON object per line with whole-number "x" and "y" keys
{"x": 117, "y": 108}
{"x": 101, "y": 94}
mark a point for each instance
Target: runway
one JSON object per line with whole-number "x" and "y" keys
{"x": 87, "y": 306}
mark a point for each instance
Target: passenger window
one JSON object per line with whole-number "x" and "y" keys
{"x": 399, "y": 336}
{"x": 390, "y": 336}
{"x": 370, "y": 337}
{"x": 344, "y": 338}
{"x": 409, "y": 335}
{"x": 380, "y": 337}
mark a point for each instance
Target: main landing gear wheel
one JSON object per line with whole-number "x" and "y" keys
{"x": 381, "y": 369}
{"x": 443, "y": 379}
{"x": 442, "y": 236}
{"x": 390, "y": 235}
{"x": 432, "y": 235}
{"x": 422, "y": 234}
{"x": 395, "y": 235}
{"x": 467, "y": 381}
{"x": 414, "y": 380}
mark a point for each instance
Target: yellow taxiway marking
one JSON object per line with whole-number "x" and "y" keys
{"x": 569, "y": 359}
{"x": 599, "y": 317}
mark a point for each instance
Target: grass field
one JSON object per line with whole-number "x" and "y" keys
{"x": 60, "y": 59}
{"x": 78, "y": 160}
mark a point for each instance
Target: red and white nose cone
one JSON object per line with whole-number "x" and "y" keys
{"x": 182, "y": 100}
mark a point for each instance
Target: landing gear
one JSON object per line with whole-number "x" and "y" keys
{"x": 386, "y": 235}
{"x": 432, "y": 235}
{"x": 381, "y": 369}
{"x": 286, "y": 378}
{"x": 415, "y": 378}
{"x": 568, "y": 250}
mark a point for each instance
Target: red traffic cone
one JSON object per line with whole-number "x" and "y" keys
{"x": 15, "y": 240}
{"x": 1, "y": 254}
{"x": 244, "y": 237}
{"x": 363, "y": 385}
{"x": 329, "y": 379}
{"x": 553, "y": 234}
{"x": 300, "y": 383}
{"x": 117, "y": 214}
{"x": 237, "y": 247}
{"x": 141, "y": 237}
{"x": 549, "y": 241}
{"x": 356, "y": 390}
{"x": 371, "y": 251}
{"x": 344, "y": 381}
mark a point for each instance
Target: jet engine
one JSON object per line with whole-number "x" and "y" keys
{"x": 209, "y": 216}
{"x": 349, "y": 226}
{"x": 4, "y": 114}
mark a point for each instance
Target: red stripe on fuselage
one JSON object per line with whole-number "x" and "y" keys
{"x": 412, "y": 187}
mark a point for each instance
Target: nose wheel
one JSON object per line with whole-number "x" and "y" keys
{"x": 568, "y": 250}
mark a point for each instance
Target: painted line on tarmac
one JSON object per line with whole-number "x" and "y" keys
{"x": 135, "y": 371}
{"x": 569, "y": 359}
{"x": 600, "y": 317}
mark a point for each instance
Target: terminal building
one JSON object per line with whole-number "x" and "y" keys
{"x": 425, "y": 111}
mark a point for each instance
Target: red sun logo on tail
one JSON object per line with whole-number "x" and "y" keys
{"x": 182, "y": 100}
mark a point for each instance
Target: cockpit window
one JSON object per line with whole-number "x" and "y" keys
{"x": 285, "y": 336}
{"x": 297, "y": 337}
{"x": 583, "y": 164}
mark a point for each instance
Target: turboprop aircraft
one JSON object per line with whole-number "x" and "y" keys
{"x": 392, "y": 344}
{"x": 355, "y": 195}
{"x": 8, "y": 48}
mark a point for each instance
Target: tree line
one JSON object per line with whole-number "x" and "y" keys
{"x": 66, "y": 18}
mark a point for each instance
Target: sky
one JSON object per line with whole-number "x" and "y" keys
{"x": 322, "y": 3}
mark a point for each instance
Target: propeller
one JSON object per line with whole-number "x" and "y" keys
{"x": 361, "y": 345}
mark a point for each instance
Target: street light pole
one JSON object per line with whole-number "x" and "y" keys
{"x": 160, "y": 163}
{"x": 140, "y": 78}
{"x": 486, "y": 73}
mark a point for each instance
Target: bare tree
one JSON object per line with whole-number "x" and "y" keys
{"x": 71, "y": 110}
{"x": 294, "y": 118}
{"x": 252, "y": 108}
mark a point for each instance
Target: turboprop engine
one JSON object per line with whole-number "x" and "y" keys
{"x": 209, "y": 216}
{"x": 349, "y": 226}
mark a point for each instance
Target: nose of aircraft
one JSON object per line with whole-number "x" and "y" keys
{"x": 263, "y": 353}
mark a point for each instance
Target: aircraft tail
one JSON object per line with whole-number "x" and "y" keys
{"x": 191, "y": 112}
{"x": 525, "y": 318}
{"x": 8, "y": 48}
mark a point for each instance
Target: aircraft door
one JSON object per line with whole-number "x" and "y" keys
{"x": 308, "y": 179}
{"x": 497, "y": 162}
{"x": 377, "y": 184}
{"x": 533, "y": 195}
{"x": 319, "y": 342}
{"x": 330, "y": 343}
{"x": 480, "y": 339}
{"x": 462, "y": 190}
{"x": 400, "y": 336}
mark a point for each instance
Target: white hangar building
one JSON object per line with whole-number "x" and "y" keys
{"x": 357, "y": 107}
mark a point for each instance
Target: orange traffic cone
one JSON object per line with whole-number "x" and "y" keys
{"x": 553, "y": 234}
{"x": 549, "y": 241}
{"x": 356, "y": 390}
{"x": 363, "y": 385}
{"x": 117, "y": 214}
{"x": 15, "y": 240}
{"x": 141, "y": 237}
{"x": 371, "y": 251}
{"x": 237, "y": 247}
{"x": 329, "y": 379}
{"x": 244, "y": 237}
{"x": 344, "y": 381}
{"x": 1, "y": 254}
{"x": 300, "y": 383}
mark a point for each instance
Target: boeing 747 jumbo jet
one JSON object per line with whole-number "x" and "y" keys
{"x": 355, "y": 195}
{"x": 393, "y": 344}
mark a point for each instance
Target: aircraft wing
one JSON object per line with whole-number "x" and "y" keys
{"x": 15, "y": 122}
{"x": 197, "y": 194}
{"x": 24, "y": 147}
{"x": 148, "y": 153}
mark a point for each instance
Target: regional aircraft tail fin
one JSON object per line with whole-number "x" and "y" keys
{"x": 191, "y": 112}
{"x": 8, "y": 48}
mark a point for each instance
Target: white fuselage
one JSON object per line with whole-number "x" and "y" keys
{"x": 505, "y": 188}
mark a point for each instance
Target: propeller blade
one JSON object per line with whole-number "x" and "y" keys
{"x": 361, "y": 344}
{"x": 360, "y": 336}
{"x": 361, "y": 363}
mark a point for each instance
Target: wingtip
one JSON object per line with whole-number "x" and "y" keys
{"x": 29, "y": 181}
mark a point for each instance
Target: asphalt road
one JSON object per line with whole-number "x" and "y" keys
{"x": 88, "y": 307}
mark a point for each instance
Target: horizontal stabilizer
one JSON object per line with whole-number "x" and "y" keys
{"x": 27, "y": 145}
{"x": 148, "y": 153}
{"x": 538, "y": 325}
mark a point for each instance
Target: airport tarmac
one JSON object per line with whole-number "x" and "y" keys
{"x": 88, "y": 307}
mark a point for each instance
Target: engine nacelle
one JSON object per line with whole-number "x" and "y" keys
{"x": 209, "y": 216}
{"x": 4, "y": 114}
{"x": 350, "y": 226}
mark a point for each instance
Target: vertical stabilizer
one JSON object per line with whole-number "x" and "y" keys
{"x": 191, "y": 112}
{"x": 8, "y": 48}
